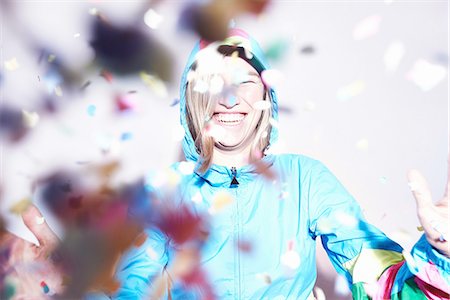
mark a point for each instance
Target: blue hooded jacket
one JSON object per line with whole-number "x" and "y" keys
{"x": 280, "y": 219}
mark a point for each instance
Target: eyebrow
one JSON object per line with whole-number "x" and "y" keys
{"x": 253, "y": 73}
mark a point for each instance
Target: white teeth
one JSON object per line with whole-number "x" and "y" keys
{"x": 229, "y": 117}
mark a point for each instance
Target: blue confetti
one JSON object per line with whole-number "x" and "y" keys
{"x": 91, "y": 110}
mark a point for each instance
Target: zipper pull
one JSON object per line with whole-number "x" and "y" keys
{"x": 234, "y": 182}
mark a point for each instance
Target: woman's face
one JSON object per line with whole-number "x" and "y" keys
{"x": 234, "y": 110}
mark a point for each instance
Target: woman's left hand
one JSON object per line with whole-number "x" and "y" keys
{"x": 434, "y": 217}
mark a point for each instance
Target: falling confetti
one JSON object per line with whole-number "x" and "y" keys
{"x": 126, "y": 136}
{"x": 30, "y": 119}
{"x": 308, "y": 49}
{"x": 40, "y": 220}
{"x": 264, "y": 277}
{"x": 124, "y": 103}
{"x": 51, "y": 58}
{"x": 393, "y": 55}
{"x": 44, "y": 287}
{"x": 186, "y": 167}
{"x": 155, "y": 84}
{"x": 175, "y": 102}
{"x": 201, "y": 86}
{"x": 197, "y": 198}
{"x": 290, "y": 259}
{"x": 309, "y": 106}
{"x": 216, "y": 85}
{"x": 271, "y": 78}
{"x": 152, "y": 19}
{"x": 91, "y": 110}
{"x": 19, "y": 207}
{"x": 367, "y": 27}
{"x": 426, "y": 75}
{"x": 352, "y": 90}
{"x": 107, "y": 75}
{"x": 362, "y": 144}
{"x": 76, "y": 35}
{"x": 277, "y": 49}
{"x": 11, "y": 65}
{"x": 58, "y": 91}
{"x": 220, "y": 201}
{"x": 383, "y": 179}
{"x": 215, "y": 131}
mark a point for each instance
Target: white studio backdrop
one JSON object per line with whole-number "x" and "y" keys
{"x": 364, "y": 90}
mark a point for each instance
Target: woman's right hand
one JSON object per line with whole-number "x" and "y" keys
{"x": 30, "y": 271}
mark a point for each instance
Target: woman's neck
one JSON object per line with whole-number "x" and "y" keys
{"x": 236, "y": 158}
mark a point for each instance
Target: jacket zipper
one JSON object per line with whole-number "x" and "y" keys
{"x": 234, "y": 184}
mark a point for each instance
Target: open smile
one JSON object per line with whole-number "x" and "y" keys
{"x": 229, "y": 119}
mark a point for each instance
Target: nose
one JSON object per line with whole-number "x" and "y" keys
{"x": 229, "y": 100}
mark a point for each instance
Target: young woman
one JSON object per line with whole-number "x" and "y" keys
{"x": 276, "y": 205}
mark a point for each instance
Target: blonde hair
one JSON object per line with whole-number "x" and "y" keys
{"x": 199, "y": 110}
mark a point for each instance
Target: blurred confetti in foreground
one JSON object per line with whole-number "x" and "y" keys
{"x": 352, "y": 90}
{"x": 367, "y": 27}
{"x": 426, "y": 75}
{"x": 393, "y": 56}
{"x": 362, "y": 144}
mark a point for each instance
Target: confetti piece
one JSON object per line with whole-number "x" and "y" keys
{"x": 107, "y": 75}
{"x": 262, "y": 105}
{"x": 126, "y": 136}
{"x": 308, "y": 49}
{"x": 58, "y": 91}
{"x": 346, "y": 219}
{"x": 367, "y": 27}
{"x": 175, "y": 102}
{"x": 197, "y": 198}
{"x": 216, "y": 85}
{"x": 277, "y": 49}
{"x": 320, "y": 294}
{"x": 271, "y": 78}
{"x": 383, "y": 179}
{"x": 201, "y": 86}
{"x": 30, "y": 119}
{"x": 410, "y": 260}
{"x": 244, "y": 246}
{"x": 186, "y": 167}
{"x": 426, "y": 75}
{"x": 155, "y": 84}
{"x": 393, "y": 55}
{"x": 414, "y": 186}
{"x": 362, "y": 144}
{"x": 11, "y": 65}
{"x": 51, "y": 58}
{"x": 290, "y": 259}
{"x": 309, "y": 106}
{"x": 214, "y": 131}
{"x": 44, "y": 287}
{"x": 76, "y": 35}
{"x": 420, "y": 228}
{"x": 40, "y": 220}
{"x": 220, "y": 201}
{"x": 151, "y": 253}
{"x": 341, "y": 286}
{"x": 124, "y": 103}
{"x": 19, "y": 207}
{"x": 353, "y": 89}
{"x": 152, "y": 19}
{"x": 264, "y": 277}
{"x": 91, "y": 110}
{"x": 85, "y": 85}
{"x": 93, "y": 11}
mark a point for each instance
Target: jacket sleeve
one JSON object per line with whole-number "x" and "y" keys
{"x": 141, "y": 265}
{"x": 362, "y": 253}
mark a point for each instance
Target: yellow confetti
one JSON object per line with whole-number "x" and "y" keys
{"x": 155, "y": 84}
{"x": 19, "y": 207}
{"x": 221, "y": 200}
{"x": 11, "y": 65}
{"x": 349, "y": 91}
{"x": 420, "y": 228}
{"x": 362, "y": 144}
